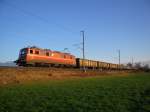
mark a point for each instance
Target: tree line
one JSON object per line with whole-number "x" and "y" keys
{"x": 139, "y": 66}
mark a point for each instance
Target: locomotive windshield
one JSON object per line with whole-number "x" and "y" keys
{"x": 23, "y": 52}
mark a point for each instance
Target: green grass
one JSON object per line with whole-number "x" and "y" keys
{"x": 95, "y": 94}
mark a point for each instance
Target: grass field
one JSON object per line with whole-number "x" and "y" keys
{"x": 129, "y": 93}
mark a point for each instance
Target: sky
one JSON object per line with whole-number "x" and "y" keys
{"x": 109, "y": 25}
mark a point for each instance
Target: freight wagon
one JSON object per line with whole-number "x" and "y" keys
{"x": 86, "y": 63}
{"x": 95, "y": 64}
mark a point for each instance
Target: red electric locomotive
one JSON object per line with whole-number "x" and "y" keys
{"x": 33, "y": 56}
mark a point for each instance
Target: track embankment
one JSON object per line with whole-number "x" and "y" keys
{"x": 17, "y": 75}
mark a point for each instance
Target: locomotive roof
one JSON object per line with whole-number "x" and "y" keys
{"x": 35, "y": 47}
{"x": 61, "y": 52}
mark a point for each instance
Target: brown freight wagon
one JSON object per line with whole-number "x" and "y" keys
{"x": 86, "y": 63}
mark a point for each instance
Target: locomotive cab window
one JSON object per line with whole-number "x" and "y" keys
{"x": 70, "y": 57}
{"x": 47, "y": 53}
{"x": 36, "y": 52}
{"x": 31, "y": 51}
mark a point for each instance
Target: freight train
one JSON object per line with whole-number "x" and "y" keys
{"x": 34, "y": 56}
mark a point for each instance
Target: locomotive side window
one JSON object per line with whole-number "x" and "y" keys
{"x": 31, "y": 51}
{"x": 36, "y": 52}
{"x": 47, "y": 53}
{"x": 64, "y": 56}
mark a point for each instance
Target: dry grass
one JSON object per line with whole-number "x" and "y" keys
{"x": 14, "y": 75}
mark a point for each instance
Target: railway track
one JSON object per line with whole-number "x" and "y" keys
{"x": 59, "y": 69}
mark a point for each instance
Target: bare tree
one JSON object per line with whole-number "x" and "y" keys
{"x": 138, "y": 65}
{"x": 146, "y": 68}
{"x": 129, "y": 65}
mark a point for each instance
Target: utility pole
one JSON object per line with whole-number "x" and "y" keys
{"x": 83, "y": 51}
{"x": 119, "y": 57}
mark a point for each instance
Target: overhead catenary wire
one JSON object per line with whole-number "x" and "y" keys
{"x": 38, "y": 17}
